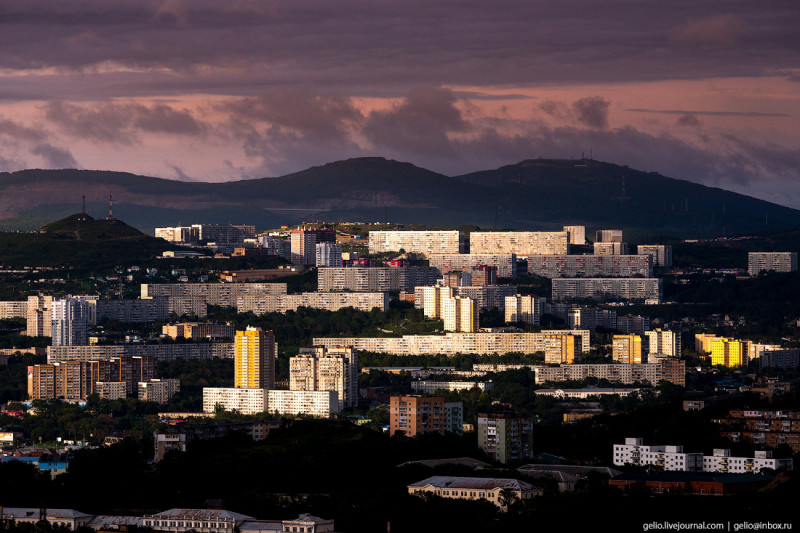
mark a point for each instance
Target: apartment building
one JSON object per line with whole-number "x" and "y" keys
{"x": 729, "y": 352}
{"x": 430, "y": 300}
{"x": 134, "y": 311}
{"x": 316, "y": 403}
{"x": 223, "y": 294}
{"x": 255, "y": 352}
{"x": 160, "y": 352}
{"x": 524, "y": 308}
{"x": 722, "y": 461}
{"x": 246, "y": 401}
{"x": 318, "y": 368}
{"x": 591, "y": 317}
{"x": 198, "y": 330}
{"x": 610, "y": 248}
{"x": 627, "y": 349}
{"x": 110, "y": 390}
{"x": 672, "y": 370}
{"x": 328, "y": 254}
{"x": 506, "y": 264}
{"x": 39, "y": 316}
{"x": 577, "y": 234}
{"x": 70, "y": 322}
{"x": 375, "y": 279}
{"x": 607, "y": 289}
{"x": 453, "y": 343}
{"x": 762, "y": 427}
{"x": 702, "y": 342}
{"x": 460, "y": 314}
{"x": 415, "y": 414}
{"x": 608, "y": 235}
{"x": 329, "y": 301}
{"x": 430, "y": 387}
{"x": 158, "y": 390}
{"x": 304, "y": 243}
{"x": 758, "y": 262}
{"x": 660, "y": 253}
{"x": 520, "y": 243}
{"x": 76, "y": 380}
{"x": 561, "y": 348}
{"x": 423, "y": 242}
{"x": 663, "y": 341}
{"x": 14, "y": 309}
{"x": 590, "y": 266}
{"x": 486, "y": 297}
{"x": 506, "y": 436}
{"x": 668, "y": 457}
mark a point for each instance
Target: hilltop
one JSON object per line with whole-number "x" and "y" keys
{"x": 537, "y": 194}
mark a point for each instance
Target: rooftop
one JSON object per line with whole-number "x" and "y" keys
{"x": 476, "y": 483}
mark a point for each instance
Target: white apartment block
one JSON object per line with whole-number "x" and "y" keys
{"x": 162, "y": 352}
{"x": 506, "y": 263}
{"x": 430, "y": 299}
{"x": 577, "y": 234}
{"x": 423, "y": 242}
{"x": 486, "y": 296}
{"x": 604, "y": 289}
{"x": 430, "y": 387}
{"x": 158, "y": 390}
{"x": 329, "y": 301}
{"x": 625, "y": 374}
{"x": 320, "y": 404}
{"x": 244, "y": 401}
{"x": 223, "y": 294}
{"x": 777, "y": 261}
{"x": 611, "y": 248}
{"x": 460, "y": 314}
{"x": 525, "y": 309}
{"x": 662, "y": 341}
{"x": 375, "y": 279}
{"x": 14, "y": 309}
{"x": 671, "y": 458}
{"x": 521, "y": 243}
{"x": 661, "y": 253}
{"x": 722, "y": 461}
{"x": 590, "y": 266}
{"x": 328, "y": 254}
{"x": 453, "y": 343}
{"x": 70, "y": 322}
{"x": 111, "y": 390}
{"x": 326, "y": 369}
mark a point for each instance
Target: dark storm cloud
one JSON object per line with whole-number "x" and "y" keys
{"x": 371, "y": 48}
{"x": 592, "y": 111}
{"x": 120, "y": 123}
{"x": 55, "y": 157}
{"x": 419, "y": 124}
{"x": 688, "y": 120}
{"x": 15, "y": 130}
{"x": 709, "y": 113}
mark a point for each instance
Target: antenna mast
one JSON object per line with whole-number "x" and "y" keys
{"x": 110, "y": 207}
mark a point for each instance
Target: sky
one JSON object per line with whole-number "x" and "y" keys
{"x": 217, "y": 91}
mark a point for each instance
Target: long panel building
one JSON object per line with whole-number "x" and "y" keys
{"x": 777, "y": 261}
{"x": 486, "y": 296}
{"x": 223, "y": 294}
{"x": 506, "y": 263}
{"x": 671, "y": 370}
{"x": 521, "y": 243}
{"x": 161, "y": 352}
{"x": 605, "y": 289}
{"x": 455, "y": 343}
{"x": 330, "y": 301}
{"x": 423, "y": 242}
{"x": 590, "y": 266}
{"x": 375, "y": 279}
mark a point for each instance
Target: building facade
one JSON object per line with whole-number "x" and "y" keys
{"x": 627, "y": 349}
{"x": 70, "y": 322}
{"x": 520, "y": 243}
{"x": 590, "y": 266}
{"x": 506, "y": 263}
{"x": 523, "y": 308}
{"x": 318, "y": 368}
{"x": 660, "y": 253}
{"x": 254, "y": 359}
{"x": 375, "y": 279}
{"x": 606, "y": 289}
{"x": 765, "y": 261}
{"x": 506, "y": 437}
{"x": 423, "y": 242}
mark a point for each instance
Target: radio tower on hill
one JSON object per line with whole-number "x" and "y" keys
{"x": 110, "y": 207}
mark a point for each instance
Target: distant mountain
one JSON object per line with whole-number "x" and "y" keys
{"x": 533, "y": 194}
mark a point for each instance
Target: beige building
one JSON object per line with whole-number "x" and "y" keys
{"x": 330, "y": 301}
{"x": 561, "y": 349}
{"x": 521, "y": 243}
{"x": 777, "y": 261}
{"x": 577, "y": 234}
{"x": 661, "y": 253}
{"x": 161, "y": 352}
{"x": 198, "y": 330}
{"x": 610, "y": 248}
{"x": 670, "y": 369}
{"x": 506, "y": 263}
{"x": 432, "y": 298}
{"x": 460, "y": 314}
{"x": 111, "y": 390}
{"x": 14, "y": 309}
{"x": 526, "y": 309}
{"x": 454, "y": 343}
{"x": 475, "y": 488}
{"x": 608, "y": 235}
{"x": 326, "y": 369}
{"x": 702, "y": 342}
{"x": 662, "y": 341}
{"x": 627, "y": 349}
{"x": 39, "y": 316}
{"x": 158, "y": 390}
{"x": 423, "y": 242}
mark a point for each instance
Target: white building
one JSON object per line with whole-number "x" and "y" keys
{"x": 158, "y": 390}
{"x": 460, "y": 314}
{"x": 317, "y": 368}
{"x": 722, "y": 461}
{"x": 329, "y": 254}
{"x": 661, "y": 253}
{"x": 375, "y": 279}
{"x": 70, "y": 322}
{"x": 777, "y": 261}
{"x": 577, "y": 234}
{"x": 423, "y": 242}
{"x": 637, "y": 289}
{"x": 526, "y": 309}
{"x": 430, "y": 387}
{"x": 521, "y": 243}
{"x": 244, "y": 401}
{"x": 320, "y": 404}
{"x": 662, "y": 341}
{"x": 506, "y": 263}
{"x": 671, "y": 458}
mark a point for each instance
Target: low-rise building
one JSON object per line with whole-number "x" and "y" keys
{"x": 244, "y": 401}
{"x": 316, "y": 403}
{"x": 493, "y": 490}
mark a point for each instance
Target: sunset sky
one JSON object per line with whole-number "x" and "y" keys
{"x": 707, "y": 91}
